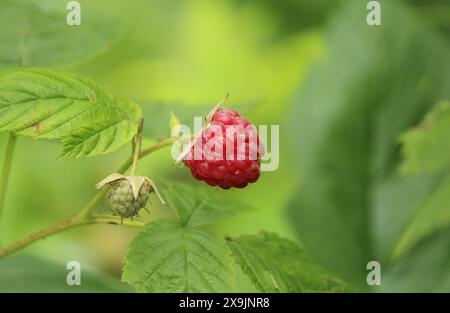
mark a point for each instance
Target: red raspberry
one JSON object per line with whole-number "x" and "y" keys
{"x": 210, "y": 161}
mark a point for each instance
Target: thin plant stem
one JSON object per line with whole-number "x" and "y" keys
{"x": 85, "y": 216}
{"x": 137, "y": 148}
{"x": 6, "y": 171}
{"x": 115, "y": 220}
{"x": 161, "y": 144}
{"x": 65, "y": 225}
{"x": 90, "y": 207}
{"x": 57, "y": 228}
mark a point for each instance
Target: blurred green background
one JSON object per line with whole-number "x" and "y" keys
{"x": 342, "y": 92}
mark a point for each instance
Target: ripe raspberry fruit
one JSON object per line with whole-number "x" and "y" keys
{"x": 128, "y": 194}
{"x": 228, "y": 152}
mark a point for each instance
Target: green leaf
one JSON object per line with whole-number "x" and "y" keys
{"x": 424, "y": 268}
{"x": 394, "y": 204}
{"x": 275, "y": 264}
{"x": 432, "y": 215}
{"x": 167, "y": 257}
{"x": 26, "y": 273}
{"x": 33, "y": 36}
{"x": 375, "y": 83}
{"x": 47, "y": 104}
{"x": 196, "y": 206}
{"x": 427, "y": 147}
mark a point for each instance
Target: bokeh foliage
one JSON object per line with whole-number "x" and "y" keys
{"x": 344, "y": 94}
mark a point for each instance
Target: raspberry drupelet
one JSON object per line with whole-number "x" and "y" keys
{"x": 228, "y": 152}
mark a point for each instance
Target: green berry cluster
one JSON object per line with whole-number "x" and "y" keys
{"x": 121, "y": 200}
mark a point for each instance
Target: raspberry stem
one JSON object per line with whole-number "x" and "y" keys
{"x": 85, "y": 216}
{"x": 115, "y": 220}
{"x": 19, "y": 244}
{"x": 6, "y": 171}
{"x": 137, "y": 147}
{"x": 161, "y": 144}
{"x": 65, "y": 225}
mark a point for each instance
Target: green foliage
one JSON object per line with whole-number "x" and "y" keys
{"x": 169, "y": 257}
{"x": 275, "y": 264}
{"x": 394, "y": 204}
{"x": 223, "y": 49}
{"x": 32, "y": 35}
{"x": 25, "y": 273}
{"x": 293, "y": 15}
{"x": 197, "y": 206}
{"x": 47, "y": 104}
{"x": 375, "y": 83}
{"x": 427, "y": 147}
{"x": 433, "y": 214}
{"x": 424, "y": 268}
{"x": 177, "y": 256}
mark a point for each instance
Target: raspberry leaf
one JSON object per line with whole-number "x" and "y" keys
{"x": 432, "y": 215}
{"x": 347, "y": 139}
{"x": 169, "y": 257}
{"x": 426, "y": 150}
{"x": 427, "y": 147}
{"x": 197, "y": 206}
{"x": 47, "y": 104}
{"x": 34, "y": 35}
{"x": 426, "y": 265}
{"x": 275, "y": 264}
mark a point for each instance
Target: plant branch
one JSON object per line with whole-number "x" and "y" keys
{"x": 115, "y": 220}
{"x": 65, "y": 225}
{"x": 6, "y": 170}
{"x": 137, "y": 147}
{"x": 85, "y": 216}
{"x": 161, "y": 144}
{"x": 88, "y": 209}
{"x": 19, "y": 244}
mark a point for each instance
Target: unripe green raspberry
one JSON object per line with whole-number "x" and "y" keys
{"x": 128, "y": 194}
{"x": 121, "y": 200}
